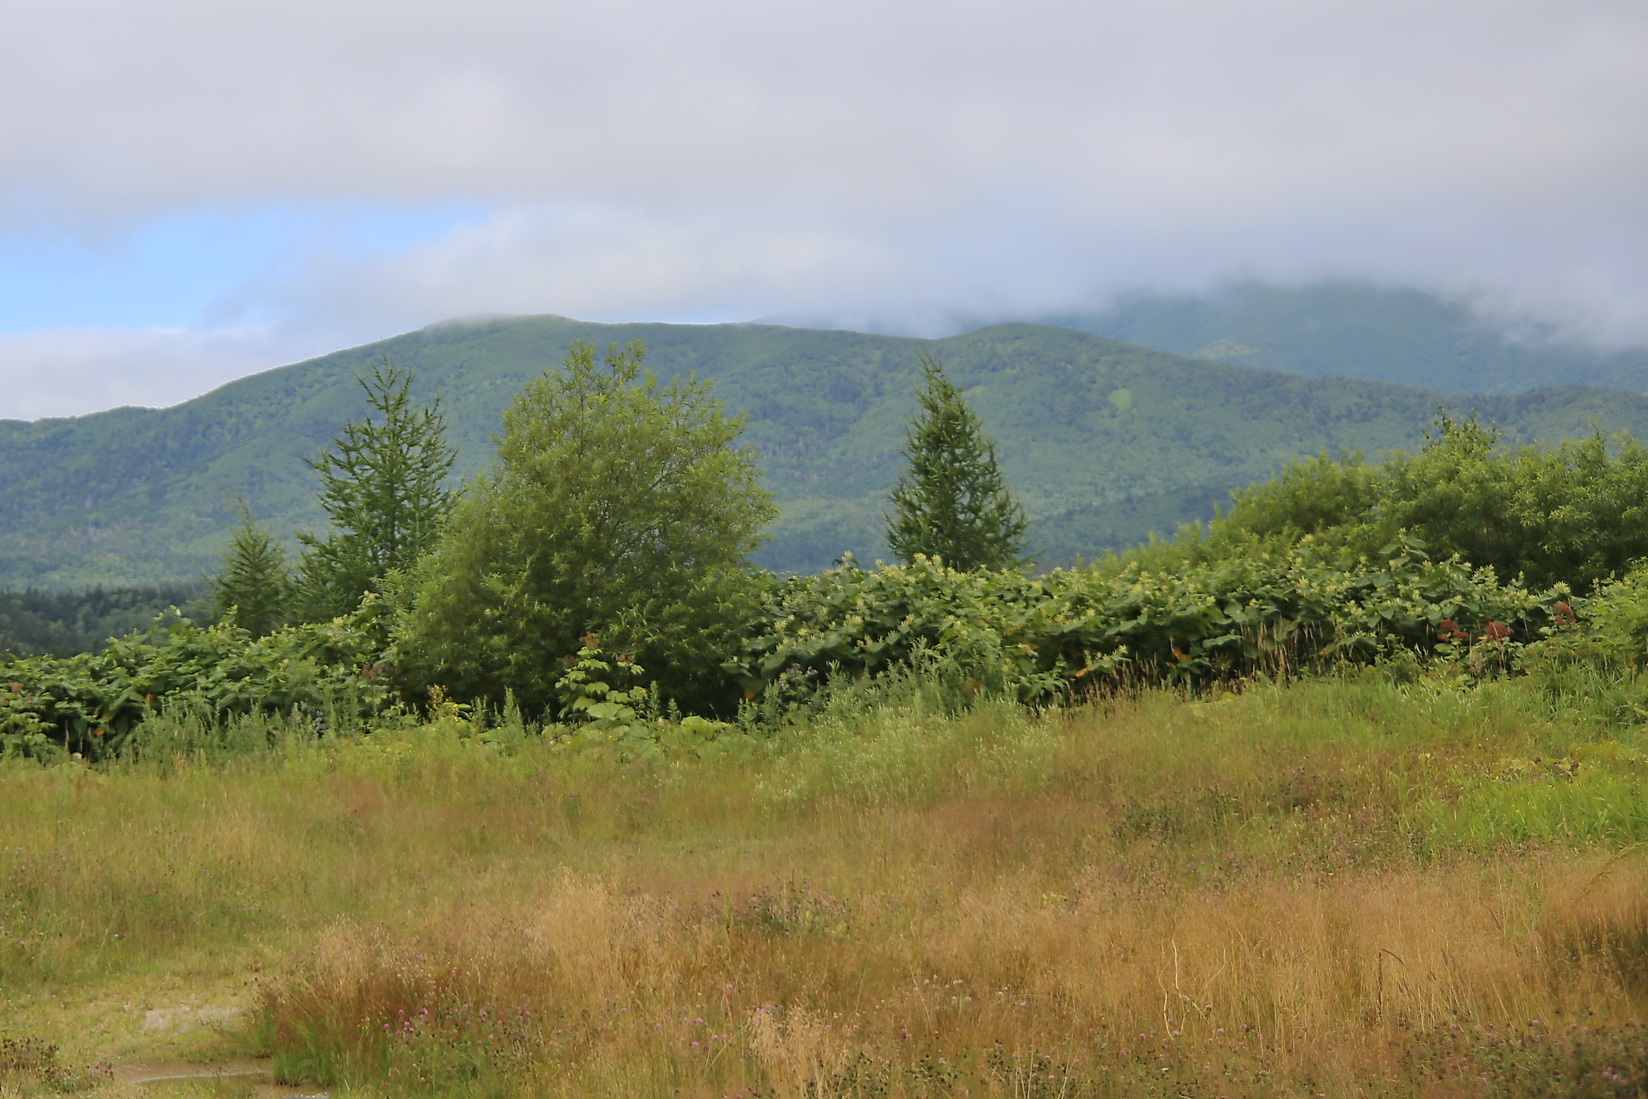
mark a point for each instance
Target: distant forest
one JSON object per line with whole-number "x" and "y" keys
{"x": 59, "y": 623}
{"x": 1104, "y": 443}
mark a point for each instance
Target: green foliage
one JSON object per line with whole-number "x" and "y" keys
{"x": 254, "y": 583}
{"x": 137, "y": 495}
{"x": 619, "y": 506}
{"x": 95, "y": 703}
{"x": 383, "y": 488}
{"x": 1310, "y": 497}
{"x": 952, "y": 502}
{"x": 1617, "y": 619}
{"x": 586, "y": 695}
{"x": 1576, "y": 513}
{"x": 595, "y": 700}
{"x": 1595, "y": 658}
{"x": 1576, "y": 1060}
{"x": 1071, "y": 631}
{"x": 58, "y": 623}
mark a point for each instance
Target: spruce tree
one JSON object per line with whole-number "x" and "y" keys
{"x": 953, "y": 502}
{"x": 254, "y": 581}
{"x": 383, "y": 486}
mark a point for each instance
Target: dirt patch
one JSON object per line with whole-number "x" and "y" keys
{"x": 190, "y": 1017}
{"x": 162, "y": 1077}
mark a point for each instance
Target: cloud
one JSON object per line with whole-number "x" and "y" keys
{"x": 902, "y": 160}
{"x": 1197, "y": 109}
{"x": 70, "y": 372}
{"x": 1584, "y": 277}
{"x": 600, "y": 261}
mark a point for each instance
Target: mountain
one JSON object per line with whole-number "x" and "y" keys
{"x": 1359, "y": 330}
{"x": 1103, "y": 441}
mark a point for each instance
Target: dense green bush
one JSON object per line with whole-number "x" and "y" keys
{"x": 1043, "y": 637}
{"x": 1575, "y": 514}
{"x": 1595, "y": 661}
{"x": 94, "y": 704}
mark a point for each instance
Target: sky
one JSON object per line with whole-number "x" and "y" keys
{"x": 193, "y": 191}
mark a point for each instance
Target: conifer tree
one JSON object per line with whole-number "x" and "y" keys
{"x": 254, "y": 581}
{"x": 383, "y": 486}
{"x": 953, "y": 502}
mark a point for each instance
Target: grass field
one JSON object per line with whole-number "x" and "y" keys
{"x": 1339, "y": 887}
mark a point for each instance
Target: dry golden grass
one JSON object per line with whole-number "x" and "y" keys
{"x": 850, "y": 985}
{"x": 1276, "y": 893}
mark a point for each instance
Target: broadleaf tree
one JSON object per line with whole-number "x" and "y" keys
{"x": 952, "y": 501}
{"x": 1575, "y": 513}
{"x": 384, "y": 490}
{"x": 619, "y": 507}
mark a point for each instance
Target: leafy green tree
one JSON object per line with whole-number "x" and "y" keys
{"x": 1574, "y": 514}
{"x": 254, "y": 581}
{"x": 383, "y": 486}
{"x": 618, "y": 508}
{"x": 953, "y": 502}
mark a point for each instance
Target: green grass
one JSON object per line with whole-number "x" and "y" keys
{"x": 1338, "y": 884}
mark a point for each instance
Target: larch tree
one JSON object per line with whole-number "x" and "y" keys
{"x": 384, "y": 489}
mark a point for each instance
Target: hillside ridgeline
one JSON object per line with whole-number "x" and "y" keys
{"x": 1104, "y": 442}
{"x": 1350, "y": 329}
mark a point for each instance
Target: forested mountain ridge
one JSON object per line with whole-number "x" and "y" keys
{"x": 1104, "y": 442}
{"x": 1350, "y": 329}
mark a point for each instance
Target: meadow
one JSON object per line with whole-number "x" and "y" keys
{"x": 1390, "y": 881}
{"x": 549, "y": 792}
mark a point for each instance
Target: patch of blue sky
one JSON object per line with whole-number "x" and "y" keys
{"x": 201, "y": 268}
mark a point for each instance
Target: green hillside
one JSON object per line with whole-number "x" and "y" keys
{"x": 1358, "y": 330}
{"x": 1103, "y": 441}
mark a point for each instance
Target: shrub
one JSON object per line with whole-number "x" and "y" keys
{"x": 1575, "y": 514}
{"x": 94, "y": 704}
{"x": 1074, "y": 630}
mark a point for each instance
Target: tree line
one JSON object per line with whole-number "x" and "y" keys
{"x": 598, "y": 575}
{"x": 597, "y": 579}
{"x": 1575, "y": 513}
{"x": 619, "y": 506}
{"x": 33, "y": 621}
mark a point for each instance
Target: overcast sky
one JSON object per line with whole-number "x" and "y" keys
{"x": 193, "y": 190}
